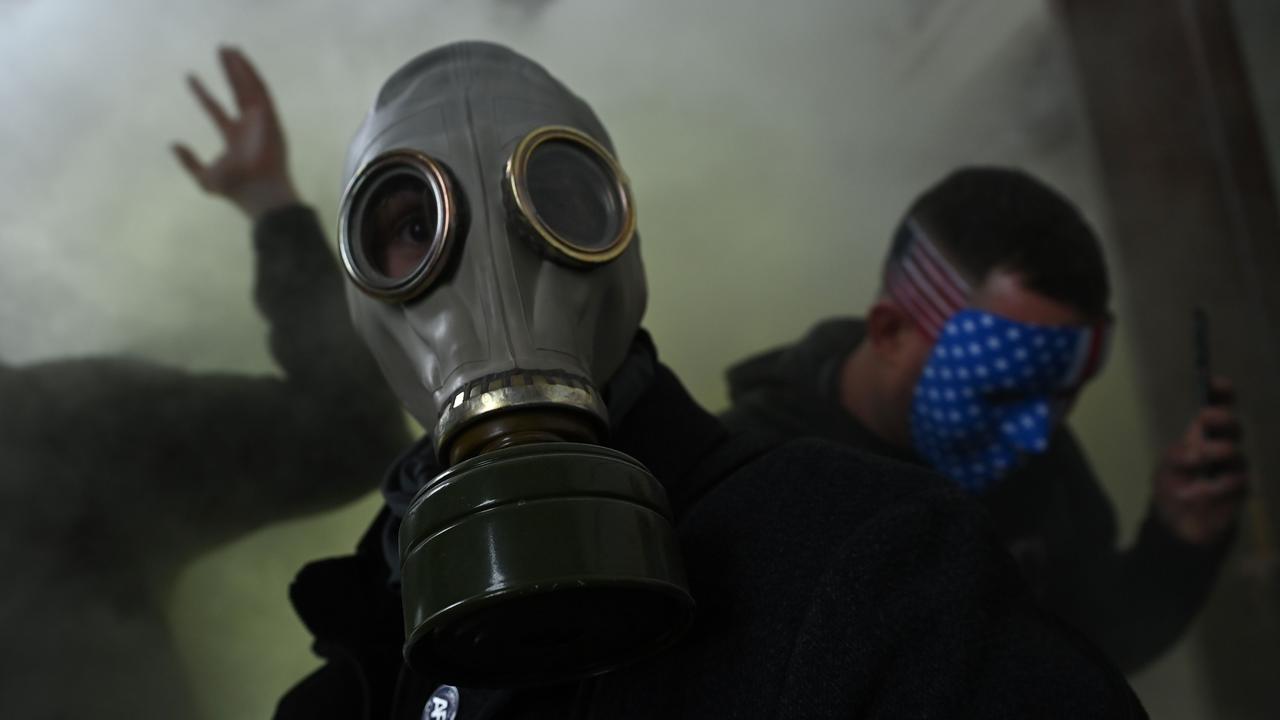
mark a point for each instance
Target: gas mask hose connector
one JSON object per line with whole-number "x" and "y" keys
{"x": 557, "y": 402}
{"x": 520, "y": 426}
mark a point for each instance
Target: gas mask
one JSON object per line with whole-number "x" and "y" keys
{"x": 489, "y": 237}
{"x": 993, "y": 389}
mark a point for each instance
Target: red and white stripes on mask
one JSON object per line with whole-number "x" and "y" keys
{"x": 932, "y": 291}
{"x": 924, "y": 283}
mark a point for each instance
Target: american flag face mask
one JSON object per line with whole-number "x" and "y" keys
{"x": 993, "y": 389}
{"x": 923, "y": 282}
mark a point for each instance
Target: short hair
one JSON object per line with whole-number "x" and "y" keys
{"x": 988, "y": 218}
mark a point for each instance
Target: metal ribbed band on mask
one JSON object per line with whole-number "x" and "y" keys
{"x": 514, "y": 390}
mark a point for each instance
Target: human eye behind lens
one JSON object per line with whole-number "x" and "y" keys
{"x": 403, "y": 231}
{"x": 412, "y": 229}
{"x": 401, "y": 218}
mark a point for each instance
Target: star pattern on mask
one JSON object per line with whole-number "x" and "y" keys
{"x": 991, "y": 393}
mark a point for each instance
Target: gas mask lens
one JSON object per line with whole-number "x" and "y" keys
{"x": 398, "y": 225}
{"x": 570, "y": 197}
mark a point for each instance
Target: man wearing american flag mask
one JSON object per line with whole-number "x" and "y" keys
{"x": 993, "y": 314}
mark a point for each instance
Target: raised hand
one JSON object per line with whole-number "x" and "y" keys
{"x": 252, "y": 171}
{"x": 1202, "y": 478}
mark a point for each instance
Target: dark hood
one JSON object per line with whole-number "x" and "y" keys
{"x": 794, "y": 391}
{"x": 810, "y": 366}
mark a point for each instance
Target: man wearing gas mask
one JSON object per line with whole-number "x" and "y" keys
{"x": 993, "y": 315}
{"x": 575, "y": 537}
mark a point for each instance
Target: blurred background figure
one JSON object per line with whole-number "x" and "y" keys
{"x": 117, "y": 471}
{"x": 994, "y": 313}
{"x": 771, "y": 149}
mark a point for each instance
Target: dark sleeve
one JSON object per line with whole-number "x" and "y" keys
{"x": 199, "y": 458}
{"x": 1133, "y": 603}
{"x": 323, "y": 432}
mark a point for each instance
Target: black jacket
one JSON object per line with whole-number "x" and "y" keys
{"x": 829, "y": 583}
{"x": 1052, "y": 513}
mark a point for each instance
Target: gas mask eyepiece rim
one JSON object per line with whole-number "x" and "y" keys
{"x": 618, "y": 204}
{"x": 365, "y": 190}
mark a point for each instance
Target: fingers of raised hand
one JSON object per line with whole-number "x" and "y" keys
{"x": 211, "y": 106}
{"x": 247, "y": 86}
{"x": 194, "y": 167}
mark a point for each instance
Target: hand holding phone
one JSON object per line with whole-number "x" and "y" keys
{"x": 1202, "y": 478}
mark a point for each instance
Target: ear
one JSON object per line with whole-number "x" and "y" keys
{"x": 887, "y": 327}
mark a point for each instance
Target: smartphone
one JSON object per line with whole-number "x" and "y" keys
{"x": 1204, "y": 374}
